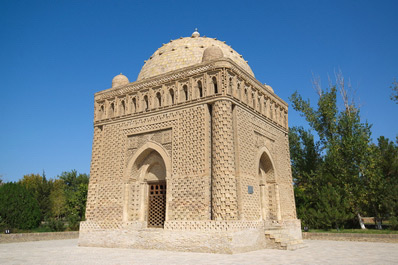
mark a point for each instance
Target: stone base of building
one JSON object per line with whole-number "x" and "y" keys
{"x": 226, "y": 237}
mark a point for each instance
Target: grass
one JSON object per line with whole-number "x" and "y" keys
{"x": 357, "y": 231}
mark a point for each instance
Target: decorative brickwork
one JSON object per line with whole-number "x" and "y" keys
{"x": 202, "y": 130}
{"x": 224, "y": 199}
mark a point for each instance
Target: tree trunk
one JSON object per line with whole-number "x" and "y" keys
{"x": 378, "y": 223}
{"x": 361, "y": 223}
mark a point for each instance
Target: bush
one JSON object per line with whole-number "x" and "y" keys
{"x": 73, "y": 222}
{"x": 3, "y": 225}
{"x": 56, "y": 225}
{"x": 18, "y": 208}
{"x": 394, "y": 223}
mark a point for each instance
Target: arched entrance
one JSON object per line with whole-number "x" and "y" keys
{"x": 147, "y": 188}
{"x": 269, "y": 192}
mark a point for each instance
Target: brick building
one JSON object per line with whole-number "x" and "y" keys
{"x": 193, "y": 156}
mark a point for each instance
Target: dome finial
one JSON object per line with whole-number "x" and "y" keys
{"x": 195, "y": 34}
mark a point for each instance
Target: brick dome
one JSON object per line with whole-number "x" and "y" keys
{"x": 212, "y": 53}
{"x": 120, "y": 80}
{"x": 185, "y": 52}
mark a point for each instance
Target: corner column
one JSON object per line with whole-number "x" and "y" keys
{"x": 224, "y": 193}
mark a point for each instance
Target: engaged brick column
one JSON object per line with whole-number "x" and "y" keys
{"x": 224, "y": 199}
{"x": 94, "y": 172}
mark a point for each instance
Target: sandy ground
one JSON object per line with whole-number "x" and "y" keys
{"x": 316, "y": 252}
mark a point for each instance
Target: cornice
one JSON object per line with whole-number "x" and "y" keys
{"x": 183, "y": 74}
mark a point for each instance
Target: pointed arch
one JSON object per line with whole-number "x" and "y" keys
{"x": 185, "y": 91}
{"x": 171, "y": 97}
{"x": 122, "y": 109}
{"x": 148, "y": 170}
{"x": 145, "y": 150}
{"x": 200, "y": 89}
{"x": 146, "y": 103}
{"x": 269, "y": 190}
{"x": 111, "y": 110}
{"x": 264, "y": 150}
{"x": 133, "y": 105}
{"x": 101, "y": 112}
{"x": 215, "y": 85}
{"x": 158, "y": 100}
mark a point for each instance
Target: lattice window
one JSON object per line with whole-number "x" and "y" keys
{"x": 157, "y": 205}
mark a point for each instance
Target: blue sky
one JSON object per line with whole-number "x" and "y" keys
{"x": 54, "y": 55}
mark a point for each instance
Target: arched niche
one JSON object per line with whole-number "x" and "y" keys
{"x": 269, "y": 190}
{"x": 146, "y": 185}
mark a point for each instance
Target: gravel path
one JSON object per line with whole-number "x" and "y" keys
{"x": 317, "y": 252}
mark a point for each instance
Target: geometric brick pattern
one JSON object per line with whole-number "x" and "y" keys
{"x": 191, "y": 198}
{"x": 224, "y": 193}
{"x": 213, "y": 225}
{"x": 245, "y": 142}
{"x": 189, "y": 151}
{"x": 250, "y": 202}
{"x": 207, "y": 152}
{"x": 187, "y": 135}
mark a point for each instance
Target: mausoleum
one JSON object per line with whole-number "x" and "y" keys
{"x": 192, "y": 156}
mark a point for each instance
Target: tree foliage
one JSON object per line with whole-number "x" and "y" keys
{"x": 76, "y": 186}
{"x": 387, "y": 187}
{"x": 40, "y": 188}
{"x": 59, "y": 201}
{"x": 338, "y": 172}
{"x": 18, "y": 208}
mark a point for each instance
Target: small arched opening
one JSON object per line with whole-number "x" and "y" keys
{"x": 122, "y": 107}
{"x": 171, "y": 93}
{"x": 134, "y": 105}
{"x": 230, "y": 86}
{"x": 271, "y": 111}
{"x": 146, "y": 103}
{"x": 185, "y": 90}
{"x": 112, "y": 110}
{"x": 158, "y": 99}
{"x": 200, "y": 89}
{"x": 101, "y": 112}
{"x": 265, "y": 111}
{"x": 260, "y": 107}
{"x": 215, "y": 86}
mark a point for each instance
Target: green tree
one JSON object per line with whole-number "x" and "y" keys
{"x": 305, "y": 156}
{"x": 382, "y": 187}
{"x": 345, "y": 152}
{"x": 388, "y": 165}
{"x": 330, "y": 209}
{"x": 18, "y": 208}
{"x": 76, "y": 187}
{"x": 306, "y": 162}
{"x": 40, "y": 189}
{"x": 57, "y": 199}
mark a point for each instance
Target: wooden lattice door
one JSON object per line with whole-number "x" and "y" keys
{"x": 157, "y": 205}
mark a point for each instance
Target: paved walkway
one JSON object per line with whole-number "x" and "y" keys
{"x": 317, "y": 252}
